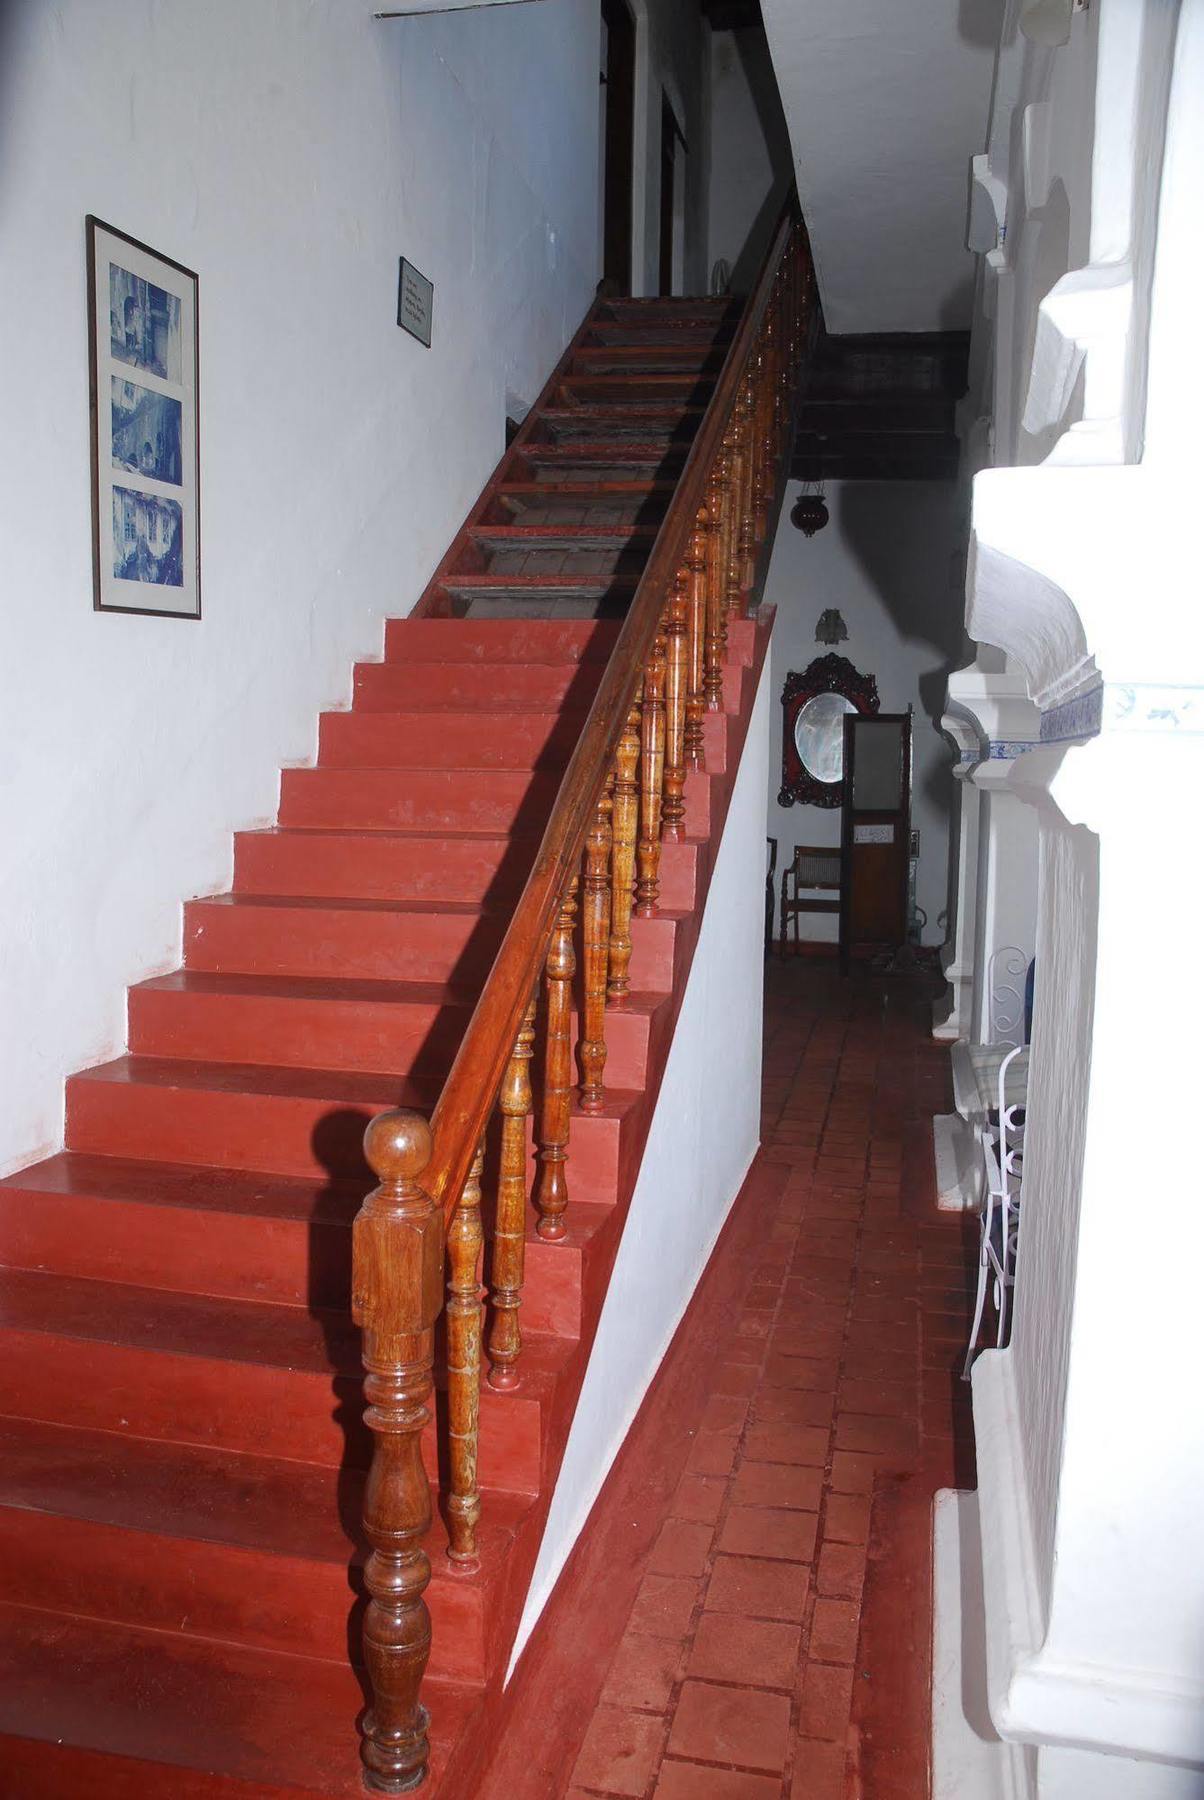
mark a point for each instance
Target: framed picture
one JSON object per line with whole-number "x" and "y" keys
{"x": 143, "y": 368}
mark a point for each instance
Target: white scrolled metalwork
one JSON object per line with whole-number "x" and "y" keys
{"x": 1001, "y": 1136}
{"x": 1006, "y": 972}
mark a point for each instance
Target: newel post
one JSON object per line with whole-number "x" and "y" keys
{"x": 397, "y": 1294}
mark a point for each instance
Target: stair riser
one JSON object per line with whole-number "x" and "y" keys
{"x": 414, "y": 800}
{"x": 361, "y": 866}
{"x": 457, "y": 740}
{"x": 490, "y": 642}
{"x": 652, "y": 942}
{"x": 306, "y": 1416}
{"x": 396, "y": 687}
{"x": 238, "y": 1256}
{"x": 236, "y": 1595}
{"x": 599, "y": 393}
{"x": 445, "y": 947}
{"x": 698, "y": 361}
{"x": 365, "y": 866}
{"x": 235, "y": 1256}
{"x": 361, "y": 1035}
{"x": 275, "y": 1134}
{"x": 365, "y": 946}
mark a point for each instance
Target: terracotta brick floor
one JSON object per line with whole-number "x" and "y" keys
{"x": 778, "y": 1643}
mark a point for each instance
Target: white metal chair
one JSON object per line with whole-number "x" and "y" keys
{"x": 1001, "y": 1136}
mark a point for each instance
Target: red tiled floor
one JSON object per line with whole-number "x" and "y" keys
{"x": 778, "y": 1645}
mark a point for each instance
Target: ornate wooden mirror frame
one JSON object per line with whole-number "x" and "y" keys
{"x": 826, "y": 675}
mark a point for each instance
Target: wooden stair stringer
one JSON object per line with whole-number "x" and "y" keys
{"x": 469, "y": 1758}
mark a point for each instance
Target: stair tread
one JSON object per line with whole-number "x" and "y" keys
{"x": 187, "y": 1185}
{"x": 460, "y": 909}
{"x": 312, "y": 987}
{"x": 329, "y": 1086}
{"x": 521, "y": 490}
{"x": 286, "y": 1722}
{"x": 193, "y": 1491}
{"x": 535, "y": 536}
{"x": 542, "y": 642}
{"x": 252, "y": 1193}
{"x": 362, "y": 991}
{"x": 490, "y": 578}
{"x": 264, "y": 1333}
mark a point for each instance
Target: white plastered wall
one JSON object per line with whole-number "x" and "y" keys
{"x": 289, "y": 154}
{"x": 751, "y": 163}
{"x": 886, "y": 103}
{"x": 885, "y": 561}
{"x": 703, "y": 1137}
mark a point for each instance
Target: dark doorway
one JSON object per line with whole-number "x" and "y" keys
{"x": 618, "y": 101}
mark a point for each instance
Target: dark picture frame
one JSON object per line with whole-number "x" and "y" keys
{"x": 830, "y": 674}
{"x": 144, "y": 417}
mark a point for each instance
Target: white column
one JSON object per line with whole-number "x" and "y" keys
{"x": 993, "y": 696}
{"x": 951, "y": 1013}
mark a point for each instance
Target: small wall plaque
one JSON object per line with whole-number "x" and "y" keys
{"x": 415, "y": 303}
{"x": 873, "y": 834}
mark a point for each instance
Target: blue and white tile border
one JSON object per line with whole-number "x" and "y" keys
{"x": 1154, "y": 706}
{"x": 1126, "y": 706}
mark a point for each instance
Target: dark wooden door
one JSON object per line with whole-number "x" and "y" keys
{"x": 618, "y": 152}
{"x": 875, "y": 832}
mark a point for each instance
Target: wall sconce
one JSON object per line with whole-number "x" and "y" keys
{"x": 831, "y": 628}
{"x": 1047, "y": 22}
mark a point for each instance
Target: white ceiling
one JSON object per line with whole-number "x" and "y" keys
{"x": 886, "y": 101}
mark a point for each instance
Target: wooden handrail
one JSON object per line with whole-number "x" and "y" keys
{"x": 622, "y": 795}
{"x": 469, "y": 1093}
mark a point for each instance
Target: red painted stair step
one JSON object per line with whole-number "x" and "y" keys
{"x": 246, "y": 934}
{"x": 234, "y": 1234}
{"x": 455, "y": 866}
{"x": 505, "y": 641}
{"x": 305, "y": 1122}
{"x": 477, "y": 738}
{"x": 243, "y": 1548}
{"x": 365, "y": 1026}
{"x": 521, "y": 686}
{"x": 238, "y": 1375}
{"x": 483, "y": 800}
{"x": 132, "y": 1714}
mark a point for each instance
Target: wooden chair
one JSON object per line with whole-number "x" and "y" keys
{"x": 814, "y": 871}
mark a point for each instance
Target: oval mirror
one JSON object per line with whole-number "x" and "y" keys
{"x": 819, "y": 736}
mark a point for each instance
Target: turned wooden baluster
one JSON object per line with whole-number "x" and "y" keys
{"x": 720, "y": 489}
{"x": 697, "y": 562}
{"x": 510, "y": 1227}
{"x": 766, "y": 471}
{"x": 735, "y": 503}
{"x": 552, "y": 1188}
{"x": 464, "y": 1240}
{"x": 397, "y": 1293}
{"x": 677, "y": 683}
{"x": 595, "y": 945}
{"x": 624, "y": 817}
{"x": 652, "y": 774}
{"x": 746, "y": 528}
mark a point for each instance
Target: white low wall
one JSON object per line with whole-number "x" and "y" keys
{"x": 704, "y": 1135}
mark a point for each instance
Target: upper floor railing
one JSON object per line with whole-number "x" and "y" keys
{"x": 622, "y": 795}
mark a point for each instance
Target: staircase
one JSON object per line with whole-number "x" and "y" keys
{"x": 184, "y": 1451}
